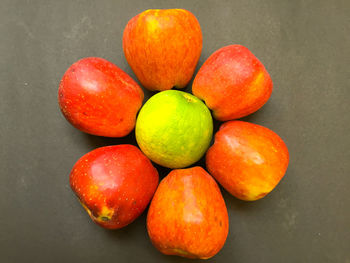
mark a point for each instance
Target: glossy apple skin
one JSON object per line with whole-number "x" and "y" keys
{"x": 163, "y": 47}
{"x": 114, "y": 184}
{"x": 188, "y": 216}
{"x": 98, "y": 98}
{"x": 233, "y": 83}
{"x": 247, "y": 159}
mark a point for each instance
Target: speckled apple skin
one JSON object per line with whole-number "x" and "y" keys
{"x": 98, "y": 98}
{"x": 163, "y": 47}
{"x": 188, "y": 216}
{"x": 233, "y": 83}
{"x": 114, "y": 184}
{"x": 247, "y": 159}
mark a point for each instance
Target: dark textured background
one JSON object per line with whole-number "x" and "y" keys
{"x": 303, "y": 44}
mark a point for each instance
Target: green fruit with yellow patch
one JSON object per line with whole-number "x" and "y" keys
{"x": 174, "y": 129}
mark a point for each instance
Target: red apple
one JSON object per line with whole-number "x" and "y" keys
{"x": 233, "y": 83}
{"x": 114, "y": 184}
{"x": 247, "y": 159}
{"x": 163, "y": 47}
{"x": 99, "y": 98}
{"x": 188, "y": 216}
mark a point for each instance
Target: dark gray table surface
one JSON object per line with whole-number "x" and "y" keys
{"x": 303, "y": 44}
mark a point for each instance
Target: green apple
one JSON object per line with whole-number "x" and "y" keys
{"x": 174, "y": 129}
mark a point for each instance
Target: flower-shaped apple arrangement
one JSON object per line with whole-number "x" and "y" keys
{"x": 187, "y": 215}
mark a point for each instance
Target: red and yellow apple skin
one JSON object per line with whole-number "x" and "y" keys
{"x": 233, "y": 83}
{"x": 114, "y": 184}
{"x": 247, "y": 159}
{"x": 98, "y": 98}
{"x": 188, "y": 216}
{"x": 163, "y": 47}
